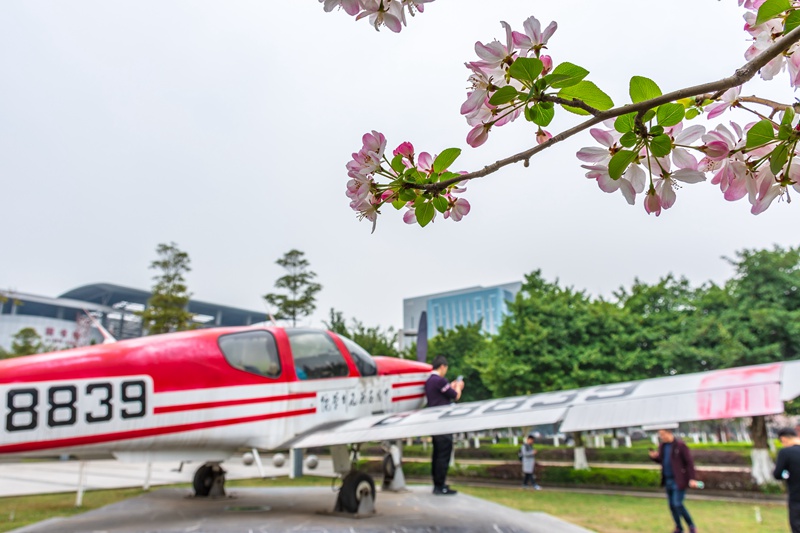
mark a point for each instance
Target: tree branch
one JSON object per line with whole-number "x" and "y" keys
{"x": 742, "y": 75}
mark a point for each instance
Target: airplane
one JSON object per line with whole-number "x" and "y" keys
{"x": 202, "y": 395}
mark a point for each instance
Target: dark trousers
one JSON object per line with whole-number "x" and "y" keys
{"x": 794, "y": 516}
{"x": 529, "y": 480}
{"x": 675, "y": 498}
{"x": 440, "y": 461}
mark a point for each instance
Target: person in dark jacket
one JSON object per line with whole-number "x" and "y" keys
{"x": 677, "y": 474}
{"x": 438, "y": 391}
{"x": 787, "y": 467}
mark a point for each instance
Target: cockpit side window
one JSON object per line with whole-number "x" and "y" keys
{"x": 363, "y": 360}
{"x": 316, "y": 355}
{"x": 252, "y": 351}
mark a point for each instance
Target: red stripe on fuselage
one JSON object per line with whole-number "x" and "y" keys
{"x": 410, "y": 397}
{"x": 408, "y": 384}
{"x": 149, "y": 432}
{"x": 227, "y": 403}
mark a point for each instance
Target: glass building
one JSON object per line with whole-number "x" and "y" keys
{"x": 446, "y": 310}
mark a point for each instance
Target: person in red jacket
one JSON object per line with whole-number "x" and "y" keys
{"x": 677, "y": 474}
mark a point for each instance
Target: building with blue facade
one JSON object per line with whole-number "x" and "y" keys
{"x": 446, "y": 310}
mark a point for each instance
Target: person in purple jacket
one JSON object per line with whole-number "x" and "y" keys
{"x": 677, "y": 474}
{"x": 438, "y": 391}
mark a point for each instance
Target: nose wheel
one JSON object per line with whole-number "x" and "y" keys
{"x": 357, "y": 495}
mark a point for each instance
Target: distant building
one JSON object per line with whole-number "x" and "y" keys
{"x": 446, "y": 310}
{"x": 62, "y": 323}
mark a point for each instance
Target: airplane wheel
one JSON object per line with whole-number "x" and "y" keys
{"x": 203, "y": 480}
{"x": 388, "y": 468}
{"x": 354, "y": 487}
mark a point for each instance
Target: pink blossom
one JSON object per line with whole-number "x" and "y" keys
{"x": 383, "y": 13}
{"x": 542, "y": 136}
{"x": 410, "y": 216}
{"x": 478, "y": 135}
{"x": 763, "y": 189}
{"x": 458, "y": 209}
{"x": 405, "y": 149}
{"x": 351, "y": 7}
{"x": 534, "y": 38}
{"x": 652, "y": 203}
{"x": 728, "y": 99}
{"x": 425, "y": 163}
{"x": 547, "y": 62}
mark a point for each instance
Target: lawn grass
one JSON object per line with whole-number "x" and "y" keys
{"x": 626, "y": 514}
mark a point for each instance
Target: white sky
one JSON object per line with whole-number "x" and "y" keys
{"x": 225, "y": 127}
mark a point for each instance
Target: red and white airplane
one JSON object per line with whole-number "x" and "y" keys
{"x": 203, "y": 395}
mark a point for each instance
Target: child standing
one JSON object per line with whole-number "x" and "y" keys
{"x": 526, "y": 454}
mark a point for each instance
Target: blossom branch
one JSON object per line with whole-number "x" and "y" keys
{"x": 741, "y": 75}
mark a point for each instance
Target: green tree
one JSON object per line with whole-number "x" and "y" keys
{"x": 25, "y": 342}
{"x": 464, "y": 347}
{"x": 166, "y": 309}
{"x": 373, "y": 339}
{"x": 298, "y": 282}
{"x": 555, "y": 338}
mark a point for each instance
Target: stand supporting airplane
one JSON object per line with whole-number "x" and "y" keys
{"x": 200, "y": 396}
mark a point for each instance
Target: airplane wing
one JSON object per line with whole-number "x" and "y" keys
{"x": 730, "y": 393}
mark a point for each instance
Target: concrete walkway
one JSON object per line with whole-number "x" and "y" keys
{"x": 302, "y": 510}
{"x": 44, "y": 477}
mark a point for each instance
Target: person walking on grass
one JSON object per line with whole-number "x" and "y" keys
{"x": 527, "y": 455}
{"x": 677, "y": 474}
{"x": 787, "y": 467}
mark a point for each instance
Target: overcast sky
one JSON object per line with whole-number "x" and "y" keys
{"x": 225, "y": 127}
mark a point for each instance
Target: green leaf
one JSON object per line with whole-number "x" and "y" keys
{"x": 642, "y": 89}
{"x": 656, "y": 130}
{"x": 540, "y": 115}
{"x": 770, "y": 9}
{"x": 440, "y": 204}
{"x": 397, "y": 164}
{"x": 445, "y": 159}
{"x": 661, "y": 145}
{"x": 589, "y": 93}
{"x": 788, "y": 117}
{"x": 550, "y": 79}
{"x": 628, "y": 140}
{"x": 692, "y": 113}
{"x": 503, "y": 95}
{"x": 778, "y": 158}
{"x": 625, "y": 123}
{"x": 792, "y": 21}
{"x": 398, "y": 204}
{"x": 648, "y": 115}
{"x": 573, "y": 74}
{"x": 761, "y": 133}
{"x": 619, "y": 163}
{"x": 670, "y": 114}
{"x": 424, "y": 213}
{"x": 407, "y": 195}
{"x": 526, "y": 69}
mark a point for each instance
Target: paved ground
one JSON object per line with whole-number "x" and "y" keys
{"x": 281, "y": 510}
{"x": 42, "y": 477}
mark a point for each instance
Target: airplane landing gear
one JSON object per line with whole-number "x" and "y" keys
{"x": 357, "y": 495}
{"x": 209, "y": 481}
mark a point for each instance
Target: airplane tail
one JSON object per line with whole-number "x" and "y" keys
{"x": 422, "y": 338}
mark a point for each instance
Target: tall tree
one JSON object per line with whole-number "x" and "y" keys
{"x": 166, "y": 309}
{"x": 298, "y": 282}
